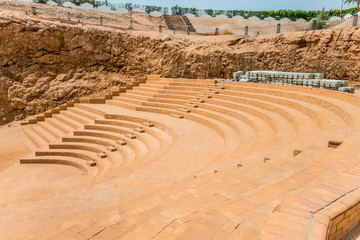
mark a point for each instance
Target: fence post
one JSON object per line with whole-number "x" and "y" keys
{"x": 216, "y": 31}
{"x": 355, "y": 20}
{"x": 33, "y": 10}
{"x": 313, "y": 26}
{"x": 246, "y": 30}
{"x": 278, "y": 28}
{"x": 131, "y": 24}
{"x": 160, "y": 28}
{"x": 188, "y": 30}
{"x": 101, "y": 21}
{"x": 68, "y": 15}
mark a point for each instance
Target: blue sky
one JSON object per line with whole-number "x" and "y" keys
{"x": 244, "y": 4}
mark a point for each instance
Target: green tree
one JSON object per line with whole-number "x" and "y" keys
{"x": 291, "y": 14}
{"x": 176, "y": 10}
{"x": 128, "y": 6}
{"x": 193, "y": 10}
{"x": 82, "y": 1}
{"x": 209, "y": 12}
{"x": 320, "y": 19}
{"x": 353, "y": 1}
{"x": 152, "y": 8}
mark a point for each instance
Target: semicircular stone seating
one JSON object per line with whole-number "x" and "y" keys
{"x": 93, "y": 141}
{"x": 206, "y": 159}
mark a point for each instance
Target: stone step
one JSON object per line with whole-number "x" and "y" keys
{"x": 185, "y": 110}
{"x": 176, "y": 116}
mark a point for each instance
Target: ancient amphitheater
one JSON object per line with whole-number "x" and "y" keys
{"x": 160, "y": 156}
{"x": 188, "y": 159}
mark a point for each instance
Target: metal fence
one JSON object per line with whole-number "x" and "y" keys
{"x": 343, "y": 23}
{"x": 263, "y": 27}
{"x": 114, "y": 6}
{"x": 221, "y": 26}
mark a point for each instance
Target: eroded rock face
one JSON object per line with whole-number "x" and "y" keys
{"x": 4, "y": 109}
{"x": 44, "y": 64}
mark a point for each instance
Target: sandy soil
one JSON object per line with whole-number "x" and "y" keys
{"x": 19, "y": 9}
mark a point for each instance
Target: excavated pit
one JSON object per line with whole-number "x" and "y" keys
{"x": 106, "y": 153}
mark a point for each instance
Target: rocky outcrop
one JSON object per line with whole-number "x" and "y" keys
{"x": 45, "y": 63}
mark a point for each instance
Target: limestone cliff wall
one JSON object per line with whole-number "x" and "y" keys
{"x": 43, "y": 64}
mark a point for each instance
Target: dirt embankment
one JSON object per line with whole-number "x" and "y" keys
{"x": 44, "y": 64}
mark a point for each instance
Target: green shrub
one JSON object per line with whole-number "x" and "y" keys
{"x": 40, "y": 1}
{"x": 320, "y": 19}
{"x": 291, "y": 14}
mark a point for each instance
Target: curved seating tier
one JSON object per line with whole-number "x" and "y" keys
{"x": 109, "y": 142}
{"x": 62, "y": 161}
{"x": 205, "y": 159}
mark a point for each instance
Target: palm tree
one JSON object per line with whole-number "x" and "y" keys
{"x": 353, "y": 1}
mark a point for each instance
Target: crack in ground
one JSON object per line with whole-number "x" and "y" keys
{"x": 100, "y": 231}
{"x": 164, "y": 228}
